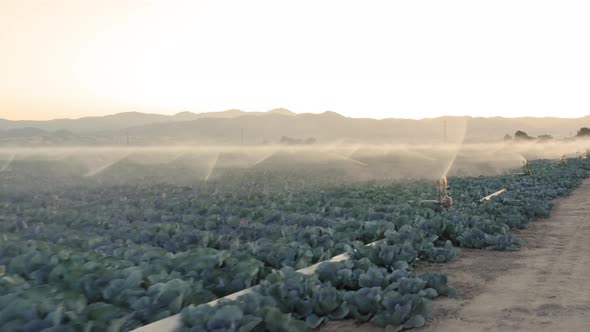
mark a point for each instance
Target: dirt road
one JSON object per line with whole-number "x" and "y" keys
{"x": 543, "y": 287}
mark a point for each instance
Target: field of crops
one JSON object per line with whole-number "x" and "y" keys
{"x": 98, "y": 258}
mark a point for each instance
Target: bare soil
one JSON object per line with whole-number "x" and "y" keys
{"x": 543, "y": 287}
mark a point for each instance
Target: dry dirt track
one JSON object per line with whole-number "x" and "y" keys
{"x": 543, "y": 287}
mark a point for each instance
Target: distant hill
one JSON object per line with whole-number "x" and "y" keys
{"x": 125, "y": 120}
{"x": 90, "y": 124}
{"x": 36, "y": 136}
{"x": 258, "y": 127}
{"x": 332, "y": 127}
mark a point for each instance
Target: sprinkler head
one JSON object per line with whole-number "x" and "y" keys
{"x": 446, "y": 201}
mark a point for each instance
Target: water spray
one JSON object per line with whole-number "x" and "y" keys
{"x": 102, "y": 168}
{"x": 6, "y": 165}
{"x": 341, "y": 157}
{"x": 212, "y": 168}
{"x": 443, "y": 198}
{"x": 344, "y": 156}
{"x": 260, "y": 161}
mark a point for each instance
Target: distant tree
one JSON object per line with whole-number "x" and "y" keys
{"x": 545, "y": 137}
{"x": 288, "y": 140}
{"x": 310, "y": 140}
{"x": 583, "y": 132}
{"x": 521, "y": 135}
{"x": 507, "y": 137}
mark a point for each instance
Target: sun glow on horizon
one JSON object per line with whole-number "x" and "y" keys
{"x": 380, "y": 59}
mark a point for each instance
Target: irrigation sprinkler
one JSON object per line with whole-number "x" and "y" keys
{"x": 525, "y": 169}
{"x": 443, "y": 199}
{"x": 578, "y": 156}
{"x": 563, "y": 160}
{"x": 446, "y": 201}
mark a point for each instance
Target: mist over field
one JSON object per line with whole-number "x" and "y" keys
{"x": 322, "y": 163}
{"x": 231, "y": 146}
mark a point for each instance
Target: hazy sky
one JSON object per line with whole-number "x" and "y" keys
{"x": 413, "y": 59}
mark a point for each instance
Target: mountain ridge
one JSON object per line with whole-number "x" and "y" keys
{"x": 227, "y": 127}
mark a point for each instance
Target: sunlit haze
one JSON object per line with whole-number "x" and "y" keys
{"x": 408, "y": 59}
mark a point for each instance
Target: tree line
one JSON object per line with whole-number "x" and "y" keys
{"x": 523, "y": 136}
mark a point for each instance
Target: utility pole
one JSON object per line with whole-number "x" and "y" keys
{"x": 445, "y": 130}
{"x": 127, "y": 138}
